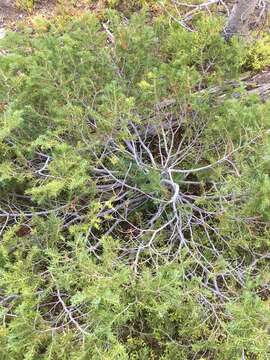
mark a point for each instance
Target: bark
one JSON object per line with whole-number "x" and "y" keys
{"x": 239, "y": 19}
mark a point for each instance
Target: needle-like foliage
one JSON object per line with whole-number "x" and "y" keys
{"x": 134, "y": 193}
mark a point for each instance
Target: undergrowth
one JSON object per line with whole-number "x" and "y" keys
{"x": 134, "y": 198}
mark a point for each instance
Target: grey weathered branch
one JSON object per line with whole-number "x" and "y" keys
{"x": 239, "y": 18}
{"x": 258, "y": 84}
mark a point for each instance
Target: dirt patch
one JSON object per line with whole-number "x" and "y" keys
{"x": 9, "y": 13}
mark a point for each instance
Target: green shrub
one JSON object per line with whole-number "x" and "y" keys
{"x": 259, "y": 53}
{"x": 134, "y": 199}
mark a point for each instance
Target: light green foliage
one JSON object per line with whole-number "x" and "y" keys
{"x": 259, "y": 53}
{"x": 27, "y": 5}
{"x": 77, "y": 278}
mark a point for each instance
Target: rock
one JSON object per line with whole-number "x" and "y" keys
{"x": 2, "y": 33}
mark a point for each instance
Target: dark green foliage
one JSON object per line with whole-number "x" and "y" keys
{"x": 73, "y": 285}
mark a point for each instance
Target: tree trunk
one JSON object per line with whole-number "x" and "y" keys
{"x": 239, "y": 19}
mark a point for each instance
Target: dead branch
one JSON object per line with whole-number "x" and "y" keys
{"x": 239, "y": 18}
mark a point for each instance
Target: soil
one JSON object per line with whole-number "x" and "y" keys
{"x": 11, "y": 15}
{"x": 9, "y": 12}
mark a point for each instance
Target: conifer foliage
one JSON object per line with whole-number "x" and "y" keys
{"x": 134, "y": 200}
